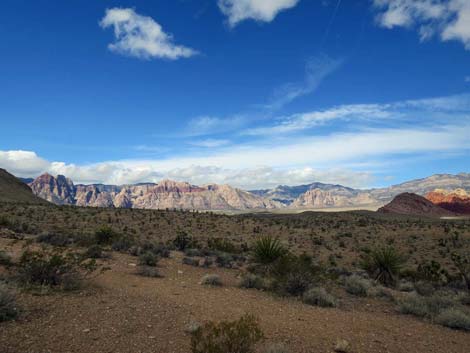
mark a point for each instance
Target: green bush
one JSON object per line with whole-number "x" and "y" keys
{"x": 267, "y": 250}
{"x": 182, "y": 241}
{"x": 454, "y": 318}
{"x": 320, "y": 297}
{"x": 122, "y": 243}
{"x": 357, "y": 285}
{"x": 5, "y": 259}
{"x": 8, "y": 307}
{"x": 105, "y": 235}
{"x": 148, "y": 259}
{"x": 94, "y": 252}
{"x": 238, "y": 336}
{"x": 383, "y": 264}
{"x": 55, "y": 239}
{"x": 190, "y": 261}
{"x": 223, "y": 245}
{"x": 53, "y": 269}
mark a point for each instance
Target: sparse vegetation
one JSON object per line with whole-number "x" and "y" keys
{"x": 238, "y": 336}
{"x": 8, "y": 307}
{"x": 267, "y": 250}
{"x": 250, "y": 280}
{"x": 148, "y": 271}
{"x": 383, "y": 264}
{"x": 5, "y": 258}
{"x": 320, "y": 297}
{"x": 357, "y": 285}
{"x": 148, "y": 259}
{"x": 211, "y": 280}
{"x": 454, "y": 318}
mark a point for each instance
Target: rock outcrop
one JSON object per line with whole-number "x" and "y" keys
{"x": 166, "y": 194}
{"x": 457, "y": 200}
{"x": 412, "y": 204}
{"x": 14, "y": 190}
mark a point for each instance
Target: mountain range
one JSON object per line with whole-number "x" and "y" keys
{"x": 174, "y": 194}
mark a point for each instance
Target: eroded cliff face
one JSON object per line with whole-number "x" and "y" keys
{"x": 457, "y": 200}
{"x": 166, "y": 194}
{"x": 412, "y": 204}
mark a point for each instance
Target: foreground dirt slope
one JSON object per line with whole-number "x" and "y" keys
{"x": 122, "y": 312}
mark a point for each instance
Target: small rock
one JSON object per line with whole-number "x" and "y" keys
{"x": 86, "y": 330}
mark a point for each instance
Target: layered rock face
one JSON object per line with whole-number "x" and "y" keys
{"x": 166, "y": 194}
{"x": 457, "y": 200}
{"x": 412, "y": 204}
{"x": 317, "y": 198}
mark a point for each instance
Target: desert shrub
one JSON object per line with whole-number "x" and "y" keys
{"x": 250, "y": 280}
{"x": 320, "y": 297}
{"x": 383, "y": 264}
{"x": 293, "y": 275}
{"x": 5, "y": 259}
{"x": 381, "y": 292}
{"x": 224, "y": 260}
{"x": 462, "y": 262}
{"x": 238, "y": 336}
{"x": 193, "y": 252}
{"x": 182, "y": 241}
{"x": 105, "y": 235}
{"x": 148, "y": 271}
{"x": 122, "y": 243}
{"x": 424, "y": 288}
{"x": 406, "y": 286}
{"x": 431, "y": 271}
{"x": 191, "y": 262}
{"x": 148, "y": 259}
{"x": 94, "y": 252}
{"x": 357, "y": 285}
{"x": 211, "y": 280}
{"x": 266, "y": 250}
{"x": 55, "y": 239}
{"x": 454, "y": 318}
{"x": 223, "y": 245}
{"x": 53, "y": 269}
{"x": 8, "y": 307}
{"x": 156, "y": 249}
{"x": 428, "y": 307}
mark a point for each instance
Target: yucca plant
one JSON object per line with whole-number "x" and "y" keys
{"x": 384, "y": 264}
{"x": 267, "y": 249}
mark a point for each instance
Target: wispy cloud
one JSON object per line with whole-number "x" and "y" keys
{"x": 210, "y": 143}
{"x": 316, "y": 70}
{"x": 258, "y": 10}
{"x": 209, "y": 125}
{"x": 450, "y": 19}
{"x": 141, "y": 36}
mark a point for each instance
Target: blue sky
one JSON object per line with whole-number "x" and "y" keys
{"x": 253, "y": 93}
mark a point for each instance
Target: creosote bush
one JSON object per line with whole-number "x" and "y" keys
{"x": 53, "y": 269}
{"x": 320, "y": 297}
{"x": 148, "y": 259}
{"x": 238, "y": 336}
{"x": 105, "y": 235}
{"x": 8, "y": 308}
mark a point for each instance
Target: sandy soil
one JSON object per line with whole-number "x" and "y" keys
{"x": 119, "y": 311}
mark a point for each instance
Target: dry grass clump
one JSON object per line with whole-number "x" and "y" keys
{"x": 148, "y": 271}
{"x": 190, "y": 261}
{"x": 276, "y": 348}
{"x": 320, "y": 297}
{"x": 239, "y": 336}
{"x": 211, "y": 280}
{"x": 357, "y": 285}
{"x": 250, "y": 280}
{"x": 454, "y": 318}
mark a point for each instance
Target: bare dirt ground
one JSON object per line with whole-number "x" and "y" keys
{"x": 119, "y": 311}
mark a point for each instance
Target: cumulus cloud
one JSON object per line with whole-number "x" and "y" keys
{"x": 450, "y": 19}
{"x": 258, "y": 10}
{"x": 316, "y": 70}
{"x": 141, "y": 36}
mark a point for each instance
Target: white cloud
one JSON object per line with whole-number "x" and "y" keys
{"x": 209, "y": 143}
{"x": 207, "y": 125}
{"x": 450, "y": 19}
{"x": 316, "y": 158}
{"x": 259, "y": 10}
{"x": 141, "y": 37}
{"x": 316, "y": 70}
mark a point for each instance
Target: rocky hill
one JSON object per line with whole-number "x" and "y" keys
{"x": 457, "y": 200}
{"x": 14, "y": 190}
{"x": 166, "y": 194}
{"x": 172, "y": 194}
{"x": 412, "y": 204}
